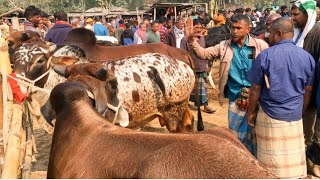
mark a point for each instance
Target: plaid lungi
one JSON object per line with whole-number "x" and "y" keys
{"x": 281, "y": 147}
{"x": 237, "y": 121}
{"x": 203, "y": 92}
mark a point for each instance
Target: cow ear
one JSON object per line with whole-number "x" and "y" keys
{"x": 24, "y": 36}
{"x": 101, "y": 74}
{"x": 61, "y": 70}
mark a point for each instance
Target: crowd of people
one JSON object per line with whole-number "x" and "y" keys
{"x": 271, "y": 80}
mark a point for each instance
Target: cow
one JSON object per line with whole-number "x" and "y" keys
{"x": 34, "y": 59}
{"x": 85, "y": 145}
{"x": 146, "y": 86}
{"x": 86, "y": 40}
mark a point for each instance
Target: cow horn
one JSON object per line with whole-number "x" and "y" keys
{"x": 61, "y": 70}
{"x": 52, "y": 46}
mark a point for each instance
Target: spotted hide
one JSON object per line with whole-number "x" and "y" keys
{"x": 142, "y": 97}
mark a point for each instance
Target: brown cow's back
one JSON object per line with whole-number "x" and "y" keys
{"x": 105, "y": 53}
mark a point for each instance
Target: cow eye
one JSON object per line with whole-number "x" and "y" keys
{"x": 41, "y": 61}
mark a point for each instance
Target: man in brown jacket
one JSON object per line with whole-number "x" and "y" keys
{"x": 236, "y": 56}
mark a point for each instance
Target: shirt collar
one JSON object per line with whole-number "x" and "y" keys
{"x": 245, "y": 42}
{"x": 285, "y": 41}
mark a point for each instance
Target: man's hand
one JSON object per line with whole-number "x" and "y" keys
{"x": 189, "y": 30}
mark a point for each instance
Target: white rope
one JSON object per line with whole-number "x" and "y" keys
{"x": 28, "y": 84}
{"x": 36, "y": 80}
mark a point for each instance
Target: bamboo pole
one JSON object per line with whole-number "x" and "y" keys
{"x": 11, "y": 160}
{"x": 26, "y": 170}
{"x": 23, "y": 138}
{"x": 5, "y": 68}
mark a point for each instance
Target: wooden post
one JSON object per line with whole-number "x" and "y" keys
{"x": 11, "y": 160}
{"x": 154, "y": 13}
{"x": 15, "y": 23}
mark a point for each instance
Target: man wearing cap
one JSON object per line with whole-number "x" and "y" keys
{"x": 307, "y": 35}
{"x": 89, "y": 23}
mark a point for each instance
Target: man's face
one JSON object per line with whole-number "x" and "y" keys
{"x": 285, "y": 10}
{"x": 198, "y": 28}
{"x": 298, "y": 17}
{"x": 180, "y": 25}
{"x": 143, "y": 27}
{"x": 44, "y": 21}
{"x": 169, "y": 23}
{"x": 35, "y": 19}
{"x": 155, "y": 27}
{"x": 239, "y": 30}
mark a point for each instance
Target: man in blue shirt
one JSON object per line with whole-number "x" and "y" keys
{"x": 281, "y": 80}
{"x": 100, "y": 29}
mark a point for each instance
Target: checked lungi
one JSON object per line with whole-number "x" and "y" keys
{"x": 203, "y": 92}
{"x": 281, "y": 148}
{"x": 237, "y": 122}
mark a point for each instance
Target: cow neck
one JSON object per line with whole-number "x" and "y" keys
{"x": 86, "y": 114}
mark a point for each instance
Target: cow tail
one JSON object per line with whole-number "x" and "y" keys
{"x": 200, "y": 126}
{"x": 156, "y": 77}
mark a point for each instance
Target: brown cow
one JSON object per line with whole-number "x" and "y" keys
{"x": 85, "y": 145}
{"x": 86, "y": 40}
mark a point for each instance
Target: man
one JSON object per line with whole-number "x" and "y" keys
{"x": 284, "y": 11}
{"x": 127, "y": 36}
{"x": 43, "y": 23}
{"x": 307, "y": 35}
{"x": 270, "y": 19}
{"x": 153, "y": 36}
{"x": 75, "y": 22}
{"x": 89, "y": 23}
{"x": 169, "y": 24}
{"x": 140, "y": 36}
{"x": 236, "y": 56}
{"x": 174, "y": 36}
{"x": 60, "y": 30}
{"x": 201, "y": 66}
{"x": 281, "y": 80}
{"x": 99, "y": 29}
{"x": 32, "y": 15}
{"x": 162, "y": 29}
{"x": 119, "y": 30}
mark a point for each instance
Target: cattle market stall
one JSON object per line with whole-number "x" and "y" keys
{"x": 159, "y": 9}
